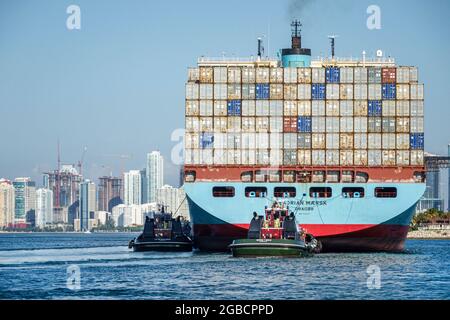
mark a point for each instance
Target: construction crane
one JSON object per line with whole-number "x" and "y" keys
{"x": 332, "y": 40}
{"x": 80, "y": 162}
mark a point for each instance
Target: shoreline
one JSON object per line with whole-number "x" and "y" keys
{"x": 428, "y": 235}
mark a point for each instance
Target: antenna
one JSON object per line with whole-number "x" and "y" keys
{"x": 296, "y": 37}
{"x": 332, "y": 40}
{"x": 260, "y": 48}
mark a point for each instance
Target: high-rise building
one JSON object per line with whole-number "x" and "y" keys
{"x": 44, "y": 207}
{"x": 25, "y": 199}
{"x": 173, "y": 199}
{"x": 7, "y": 203}
{"x": 131, "y": 215}
{"x": 87, "y": 204}
{"x": 132, "y": 186}
{"x": 110, "y": 193}
{"x": 155, "y": 174}
{"x": 144, "y": 193}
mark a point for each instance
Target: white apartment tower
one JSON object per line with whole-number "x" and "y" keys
{"x": 132, "y": 185}
{"x": 155, "y": 174}
{"x": 44, "y": 207}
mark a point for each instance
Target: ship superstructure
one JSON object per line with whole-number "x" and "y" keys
{"x": 340, "y": 141}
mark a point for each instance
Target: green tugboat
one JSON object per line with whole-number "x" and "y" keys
{"x": 275, "y": 234}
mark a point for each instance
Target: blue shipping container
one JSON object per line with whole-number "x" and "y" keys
{"x": 374, "y": 109}
{"x": 206, "y": 140}
{"x": 304, "y": 124}
{"x": 416, "y": 141}
{"x": 262, "y": 91}
{"x": 333, "y": 74}
{"x": 318, "y": 91}
{"x": 389, "y": 91}
{"x": 234, "y": 107}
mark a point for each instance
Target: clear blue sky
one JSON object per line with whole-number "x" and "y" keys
{"x": 117, "y": 85}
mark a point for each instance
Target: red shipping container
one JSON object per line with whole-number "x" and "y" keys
{"x": 388, "y": 75}
{"x": 290, "y": 124}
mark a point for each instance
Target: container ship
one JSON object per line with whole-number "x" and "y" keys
{"x": 339, "y": 140}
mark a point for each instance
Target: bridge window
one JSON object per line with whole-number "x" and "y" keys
{"x": 353, "y": 192}
{"x": 223, "y": 192}
{"x": 320, "y": 192}
{"x": 386, "y": 192}
{"x": 256, "y": 192}
{"x": 189, "y": 176}
{"x": 284, "y": 192}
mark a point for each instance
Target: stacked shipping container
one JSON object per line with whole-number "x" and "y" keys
{"x": 336, "y": 116}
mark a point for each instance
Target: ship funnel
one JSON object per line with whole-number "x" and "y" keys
{"x": 296, "y": 56}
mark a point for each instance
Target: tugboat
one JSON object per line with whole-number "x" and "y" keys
{"x": 275, "y": 234}
{"x": 162, "y": 232}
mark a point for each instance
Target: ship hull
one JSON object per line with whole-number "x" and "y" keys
{"x": 341, "y": 225}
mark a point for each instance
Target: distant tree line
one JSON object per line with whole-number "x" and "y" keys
{"x": 428, "y": 217}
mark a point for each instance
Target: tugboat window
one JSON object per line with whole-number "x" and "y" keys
{"x": 320, "y": 192}
{"x": 353, "y": 192}
{"x": 284, "y": 192}
{"x": 256, "y": 192}
{"x": 386, "y": 192}
{"x": 223, "y": 192}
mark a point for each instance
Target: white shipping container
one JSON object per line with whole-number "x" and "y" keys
{"x": 248, "y": 157}
{"x": 374, "y": 140}
{"x": 360, "y": 140}
{"x": 332, "y": 158}
{"x": 374, "y": 157}
{"x": 332, "y": 108}
{"x": 402, "y": 142}
{"x": 416, "y": 91}
{"x": 318, "y": 75}
{"x": 206, "y": 108}
{"x": 388, "y": 157}
{"x": 193, "y": 74}
{"x": 276, "y": 157}
{"x": 220, "y": 157}
{"x": 346, "y": 141}
{"x": 304, "y": 157}
{"x": 192, "y": 91}
{"x": 416, "y": 108}
{"x": 248, "y": 108}
{"x": 220, "y": 74}
{"x": 388, "y": 140}
{"x": 360, "y": 75}
{"x": 402, "y": 91}
{"x": 416, "y": 157}
{"x": 220, "y": 140}
{"x": 248, "y": 124}
{"x": 248, "y": 141}
{"x": 276, "y": 108}
{"x": 276, "y": 75}
{"x": 402, "y": 124}
{"x": 332, "y": 141}
{"x": 403, "y": 74}
{"x": 220, "y": 108}
{"x": 346, "y": 157}
{"x": 413, "y": 74}
{"x": 192, "y": 156}
{"x": 206, "y": 156}
{"x": 262, "y": 75}
{"x": 276, "y": 91}
{"x": 289, "y": 141}
{"x": 234, "y": 141}
{"x": 262, "y": 156}
{"x": 248, "y": 91}
{"x": 332, "y": 91}
{"x": 318, "y": 157}
{"x": 417, "y": 125}
{"x": 304, "y": 108}
{"x": 360, "y": 108}
{"x": 346, "y": 108}
{"x": 304, "y": 91}
{"x": 276, "y": 141}
{"x": 290, "y": 91}
{"x": 220, "y": 91}
{"x": 402, "y": 108}
{"x": 262, "y": 124}
{"x": 233, "y": 156}
{"x": 360, "y": 91}
{"x": 234, "y": 75}
{"x": 262, "y": 107}
{"x": 290, "y": 75}
{"x": 360, "y": 158}
{"x": 248, "y": 75}
{"x": 276, "y": 124}
{"x": 192, "y": 124}
{"x": 234, "y": 91}
{"x": 360, "y": 124}
{"x": 374, "y": 92}
{"x": 206, "y": 74}
{"x": 192, "y": 140}
{"x": 206, "y": 91}
{"x": 318, "y": 140}
{"x": 318, "y": 124}
{"x": 332, "y": 124}
{"x": 290, "y": 108}
{"x": 206, "y": 123}
{"x": 234, "y": 124}
{"x": 346, "y": 124}
{"x": 346, "y": 75}
{"x": 388, "y": 109}
{"x": 318, "y": 108}
{"x": 304, "y": 75}
{"x": 402, "y": 158}
{"x": 346, "y": 91}
{"x": 192, "y": 108}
